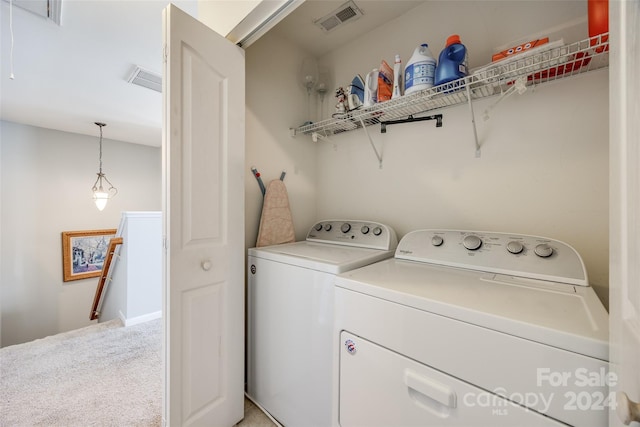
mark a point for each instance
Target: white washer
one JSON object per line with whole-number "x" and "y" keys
{"x": 471, "y": 329}
{"x": 290, "y": 316}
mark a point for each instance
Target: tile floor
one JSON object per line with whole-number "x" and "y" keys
{"x": 254, "y": 417}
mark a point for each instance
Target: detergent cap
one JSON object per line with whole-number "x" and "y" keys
{"x": 452, "y": 62}
{"x": 452, "y": 39}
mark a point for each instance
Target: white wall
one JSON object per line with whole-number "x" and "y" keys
{"x": 46, "y": 180}
{"x": 274, "y": 103}
{"x": 223, "y": 15}
{"x": 134, "y": 293}
{"x": 144, "y": 269}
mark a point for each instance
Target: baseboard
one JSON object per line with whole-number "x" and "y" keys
{"x": 139, "y": 319}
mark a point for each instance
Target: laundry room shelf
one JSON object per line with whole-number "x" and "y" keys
{"x": 540, "y": 65}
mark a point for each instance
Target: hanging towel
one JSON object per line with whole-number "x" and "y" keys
{"x": 276, "y": 223}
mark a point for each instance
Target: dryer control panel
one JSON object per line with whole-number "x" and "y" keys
{"x": 505, "y": 253}
{"x": 363, "y": 234}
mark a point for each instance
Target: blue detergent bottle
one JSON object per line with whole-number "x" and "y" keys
{"x": 452, "y": 63}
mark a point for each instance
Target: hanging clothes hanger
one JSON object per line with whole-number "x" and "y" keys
{"x": 256, "y": 174}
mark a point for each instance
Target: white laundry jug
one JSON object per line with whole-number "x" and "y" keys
{"x": 420, "y": 70}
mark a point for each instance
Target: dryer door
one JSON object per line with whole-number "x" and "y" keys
{"x": 379, "y": 387}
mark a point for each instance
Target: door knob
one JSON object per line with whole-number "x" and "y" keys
{"x": 206, "y": 265}
{"x": 627, "y": 409}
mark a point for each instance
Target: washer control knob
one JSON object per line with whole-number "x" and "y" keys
{"x": 346, "y": 227}
{"x": 318, "y": 227}
{"x": 437, "y": 240}
{"x": 543, "y": 250}
{"x": 327, "y": 227}
{"x": 472, "y": 242}
{"x": 377, "y": 231}
{"x": 515, "y": 247}
{"x": 364, "y": 229}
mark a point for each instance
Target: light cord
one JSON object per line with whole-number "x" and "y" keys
{"x": 100, "y": 149}
{"x": 11, "y": 76}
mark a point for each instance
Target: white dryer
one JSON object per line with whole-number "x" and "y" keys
{"x": 471, "y": 329}
{"x": 290, "y": 316}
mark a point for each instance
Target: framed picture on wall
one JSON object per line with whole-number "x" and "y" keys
{"x": 84, "y": 253}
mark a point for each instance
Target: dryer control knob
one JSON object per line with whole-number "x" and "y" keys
{"x": 377, "y": 231}
{"x": 543, "y": 250}
{"x": 364, "y": 229}
{"x": 350, "y": 346}
{"x": 327, "y": 227}
{"x": 346, "y": 227}
{"x": 515, "y": 247}
{"x": 472, "y": 242}
{"x": 437, "y": 240}
{"x": 318, "y": 227}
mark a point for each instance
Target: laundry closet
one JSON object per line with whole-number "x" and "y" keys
{"x": 539, "y": 162}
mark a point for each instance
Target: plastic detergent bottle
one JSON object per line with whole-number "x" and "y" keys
{"x": 398, "y": 87}
{"x": 420, "y": 70}
{"x": 452, "y": 63}
{"x": 371, "y": 88}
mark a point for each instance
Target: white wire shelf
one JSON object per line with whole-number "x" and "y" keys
{"x": 531, "y": 68}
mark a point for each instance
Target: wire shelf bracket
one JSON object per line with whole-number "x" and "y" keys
{"x": 375, "y": 150}
{"x": 473, "y": 123}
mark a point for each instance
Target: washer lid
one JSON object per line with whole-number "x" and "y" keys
{"x": 324, "y": 257}
{"x": 560, "y": 315}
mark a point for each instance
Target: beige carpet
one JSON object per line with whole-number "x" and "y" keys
{"x": 102, "y": 375}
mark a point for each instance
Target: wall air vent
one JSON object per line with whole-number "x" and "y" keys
{"x": 145, "y": 78}
{"x": 346, "y": 13}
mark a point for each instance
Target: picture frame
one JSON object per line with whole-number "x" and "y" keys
{"x": 84, "y": 253}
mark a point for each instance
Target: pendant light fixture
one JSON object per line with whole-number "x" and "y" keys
{"x": 100, "y": 195}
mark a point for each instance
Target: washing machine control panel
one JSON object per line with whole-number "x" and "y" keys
{"x": 512, "y": 254}
{"x": 365, "y": 234}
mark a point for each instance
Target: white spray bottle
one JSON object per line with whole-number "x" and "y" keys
{"x": 398, "y": 72}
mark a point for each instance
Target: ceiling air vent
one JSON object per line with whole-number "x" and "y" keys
{"x": 50, "y": 9}
{"x": 145, "y": 78}
{"x": 345, "y": 13}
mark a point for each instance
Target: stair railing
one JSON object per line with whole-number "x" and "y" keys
{"x": 105, "y": 277}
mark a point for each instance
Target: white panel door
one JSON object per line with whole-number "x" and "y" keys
{"x": 203, "y": 202}
{"x": 624, "y": 134}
